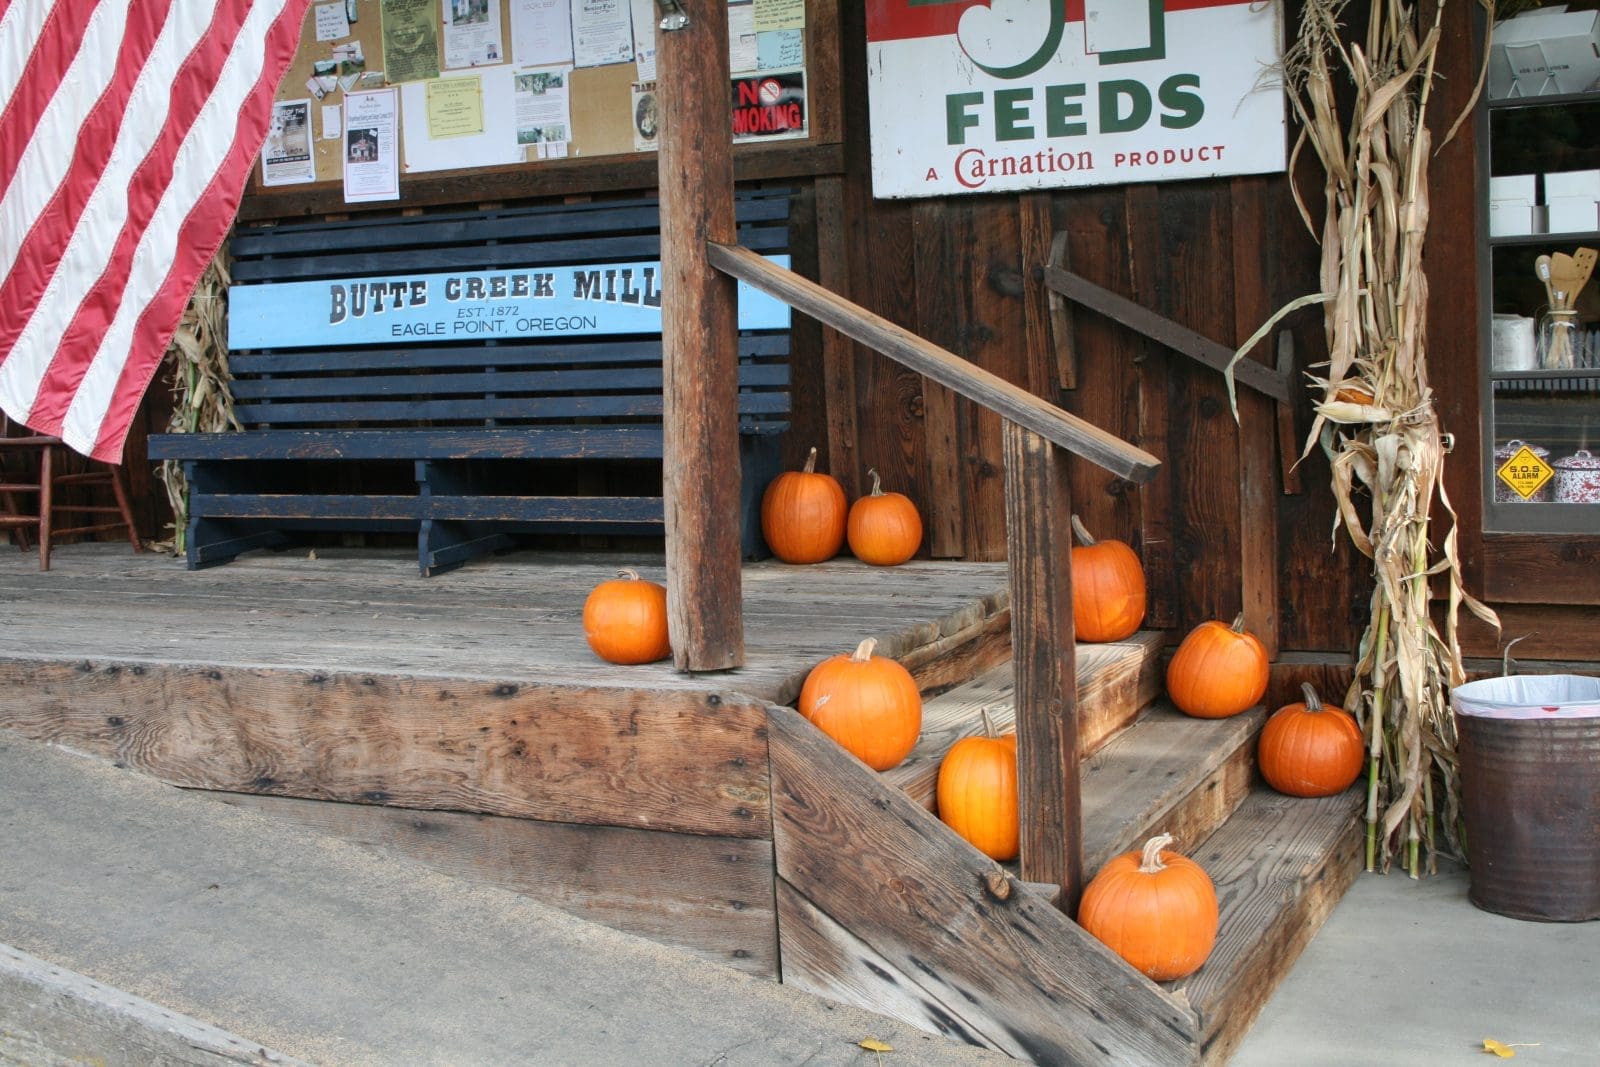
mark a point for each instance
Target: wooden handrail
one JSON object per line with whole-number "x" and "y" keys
{"x": 1039, "y": 550}
{"x": 948, "y": 369}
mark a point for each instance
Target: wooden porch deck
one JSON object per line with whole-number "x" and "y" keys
{"x": 515, "y": 618}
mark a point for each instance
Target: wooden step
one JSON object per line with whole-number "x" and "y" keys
{"x": 1168, "y": 773}
{"x": 1115, "y": 680}
{"x": 1280, "y": 865}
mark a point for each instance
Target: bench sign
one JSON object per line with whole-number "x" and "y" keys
{"x": 567, "y": 301}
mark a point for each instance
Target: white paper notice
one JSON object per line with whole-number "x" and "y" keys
{"x": 495, "y": 146}
{"x": 371, "y": 149}
{"x": 472, "y": 33}
{"x": 644, "y": 38}
{"x": 332, "y": 24}
{"x": 332, "y": 125}
{"x": 543, "y": 114}
{"x": 602, "y": 32}
{"x": 286, "y": 158}
{"x": 741, "y": 37}
{"x": 541, "y": 32}
{"x": 646, "y": 117}
{"x": 780, "y": 14}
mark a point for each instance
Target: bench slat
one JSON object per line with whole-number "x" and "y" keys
{"x": 281, "y": 413}
{"x": 564, "y": 442}
{"x": 422, "y": 357}
{"x": 617, "y": 380}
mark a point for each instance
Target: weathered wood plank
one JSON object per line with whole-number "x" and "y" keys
{"x": 1115, "y": 681}
{"x": 1038, "y": 502}
{"x": 698, "y": 331}
{"x": 986, "y": 388}
{"x": 1167, "y": 773}
{"x": 838, "y": 351}
{"x": 938, "y": 910}
{"x": 688, "y": 761}
{"x": 1048, "y": 329}
{"x": 823, "y": 958}
{"x": 937, "y": 323}
{"x": 1280, "y": 865}
{"x": 949, "y": 661}
{"x": 710, "y": 896}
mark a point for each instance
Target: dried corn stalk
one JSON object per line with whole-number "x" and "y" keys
{"x": 202, "y": 398}
{"x": 1375, "y": 417}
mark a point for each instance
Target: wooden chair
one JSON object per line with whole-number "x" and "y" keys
{"x": 28, "y": 473}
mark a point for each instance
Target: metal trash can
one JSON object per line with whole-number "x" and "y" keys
{"x": 1529, "y": 756}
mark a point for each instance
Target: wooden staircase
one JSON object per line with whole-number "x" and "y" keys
{"x": 882, "y": 906}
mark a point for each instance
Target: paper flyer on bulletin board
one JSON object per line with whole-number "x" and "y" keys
{"x": 495, "y": 146}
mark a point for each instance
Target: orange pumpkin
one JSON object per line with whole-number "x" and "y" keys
{"x": 978, "y": 792}
{"x": 803, "y": 515}
{"x": 1218, "y": 671}
{"x": 1107, "y": 588}
{"x": 625, "y": 620}
{"x": 1155, "y": 909}
{"x": 869, "y": 704}
{"x": 1309, "y": 750}
{"x": 883, "y": 529}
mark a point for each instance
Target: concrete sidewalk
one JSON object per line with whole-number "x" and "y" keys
{"x": 316, "y": 950}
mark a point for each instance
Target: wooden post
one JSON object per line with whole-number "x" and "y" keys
{"x": 1039, "y": 548}
{"x": 699, "y": 343}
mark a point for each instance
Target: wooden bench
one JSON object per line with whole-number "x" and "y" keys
{"x": 447, "y": 374}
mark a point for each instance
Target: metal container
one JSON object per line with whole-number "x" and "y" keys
{"x": 1577, "y": 479}
{"x": 1503, "y": 493}
{"x": 1529, "y": 757}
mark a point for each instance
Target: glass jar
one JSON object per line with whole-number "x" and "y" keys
{"x": 1558, "y": 339}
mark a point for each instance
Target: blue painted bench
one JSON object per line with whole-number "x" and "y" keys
{"x": 455, "y": 375}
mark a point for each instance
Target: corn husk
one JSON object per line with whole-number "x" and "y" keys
{"x": 202, "y": 398}
{"x": 1361, "y": 106}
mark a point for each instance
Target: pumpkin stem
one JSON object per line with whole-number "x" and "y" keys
{"x": 1150, "y": 862}
{"x": 1313, "y": 702}
{"x": 877, "y": 483}
{"x": 811, "y": 461}
{"x": 1083, "y": 534}
{"x": 863, "y": 651}
{"x": 988, "y": 723}
{"x": 630, "y": 575}
{"x": 1238, "y": 623}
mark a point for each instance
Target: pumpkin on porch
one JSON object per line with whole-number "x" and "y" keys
{"x": 1107, "y": 588}
{"x": 884, "y": 529}
{"x": 977, "y": 792}
{"x": 1309, "y": 750}
{"x": 1155, "y": 909}
{"x": 625, "y": 620}
{"x": 803, "y": 515}
{"x": 1218, "y": 670}
{"x": 869, "y": 704}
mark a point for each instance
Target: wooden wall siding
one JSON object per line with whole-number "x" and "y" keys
{"x": 981, "y": 949}
{"x": 666, "y": 760}
{"x": 711, "y": 896}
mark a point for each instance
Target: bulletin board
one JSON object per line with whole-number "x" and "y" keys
{"x": 605, "y": 105}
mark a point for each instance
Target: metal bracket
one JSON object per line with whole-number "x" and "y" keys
{"x": 673, "y": 17}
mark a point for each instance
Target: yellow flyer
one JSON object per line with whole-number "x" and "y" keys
{"x": 455, "y": 107}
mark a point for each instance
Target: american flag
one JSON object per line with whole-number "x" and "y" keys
{"x": 127, "y": 131}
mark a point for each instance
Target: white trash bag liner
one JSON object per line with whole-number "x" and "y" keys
{"x": 1530, "y": 696}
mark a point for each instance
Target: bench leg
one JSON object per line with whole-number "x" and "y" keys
{"x": 758, "y": 465}
{"x": 445, "y": 545}
{"x": 215, "y": 541}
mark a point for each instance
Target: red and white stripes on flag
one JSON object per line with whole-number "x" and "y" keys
{"x": 127, "y": 131}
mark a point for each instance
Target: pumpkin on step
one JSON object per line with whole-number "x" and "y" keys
{"x": 1155, "y": 909}
{"x": 1107, "y": 588}
{"x": 1309, "y": 750}
{"x": 1218, "y": 671}
{"x": 803, "y": 515}
{"x": 625, "y": 620}
{"x": 978, "y": 792}
{"x": 869, "y": 704}
{"x": 883, "y": 529}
